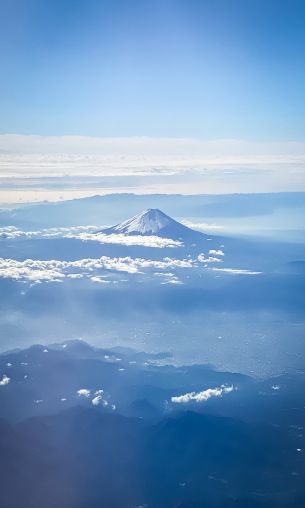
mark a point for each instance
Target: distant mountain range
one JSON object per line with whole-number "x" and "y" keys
{"x": 87, "y": 427}
{"x": 44, "y": 380}
{"x": 111, "y": 208}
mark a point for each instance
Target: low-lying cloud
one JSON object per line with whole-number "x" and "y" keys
{"x": 218, "y": 252}
{"x": 56, "y": 270}
{"x": 202, "y": 396}
{"x": 5, "y": 380}
{"x": 208, "y": 259}
{"x": 83, "y": 392}
{"x": 129, "y": 240}
{"x": 90, "y": 233}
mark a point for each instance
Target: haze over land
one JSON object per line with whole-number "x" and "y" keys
{"x": 197, "y": 287}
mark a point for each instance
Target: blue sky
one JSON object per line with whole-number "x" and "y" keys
{"x": 207, "y": 69}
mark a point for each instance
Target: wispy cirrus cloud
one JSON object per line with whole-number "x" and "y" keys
{"x": 236, "y": 271}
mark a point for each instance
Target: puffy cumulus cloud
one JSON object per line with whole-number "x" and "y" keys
{"x": 5, "y": 380}
{"x": 202, "y": 396}
{"x": 210, "y": 259}
{"x": 56, "y": 270}
{"x": 31, "y": 270}
{"x": 90, "y": 233}
{"x": 236, "y": 271}
{"x": 218, "y": 252}
{"x": 10, "y": 232}
{"x": 83, "y": 392}
{"x": 98, "y": 398}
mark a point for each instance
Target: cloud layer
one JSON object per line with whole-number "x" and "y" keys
{"x": 55, "y": 270}
{"x": 22, "y": 154}
{"x": 166, "y": 164}
{"x": 90, "y": 233}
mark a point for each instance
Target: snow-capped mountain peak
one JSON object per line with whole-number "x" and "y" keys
{"x": 154, "y": 222}
{"x": 148, "y": 222}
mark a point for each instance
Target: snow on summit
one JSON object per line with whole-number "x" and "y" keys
{"x": 152, "y": 222}
{"x": 148, "y": 222}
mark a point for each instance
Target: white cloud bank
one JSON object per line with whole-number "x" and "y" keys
{"x": 229, "y": 165}
{"x": 143, "y": 241}
{"x": 55, "y": 270}
{"x": 13, "y": 233}
{"x": 62, "y": 155}
{"x": 202, "y": 396}
{"x": 90, "y": 233}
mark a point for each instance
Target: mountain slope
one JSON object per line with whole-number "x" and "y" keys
{"x": 81, "y": 458}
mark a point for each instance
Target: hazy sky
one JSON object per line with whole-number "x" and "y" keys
{"x": 186, "y": 68}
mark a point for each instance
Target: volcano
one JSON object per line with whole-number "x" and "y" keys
{"x": 154, "y": 222}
